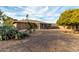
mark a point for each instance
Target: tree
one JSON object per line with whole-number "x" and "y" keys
{"x": 7, "y": 21}
{"x": 69, "y": 18}
{"x": 30, "y": 26}
{"x": 34, "y": 26}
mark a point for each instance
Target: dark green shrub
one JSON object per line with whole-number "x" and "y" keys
{"x": 31, "y": 27}
{"x": 21, "y": 35}
{"x": 11, "y": 33}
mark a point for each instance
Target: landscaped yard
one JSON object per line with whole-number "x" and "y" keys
{"x": 43, "y": 40}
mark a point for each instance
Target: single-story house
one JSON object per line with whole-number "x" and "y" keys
{"x": 21, "y": 24}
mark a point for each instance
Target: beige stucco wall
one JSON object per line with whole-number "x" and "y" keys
{"x": 15, "y": 25}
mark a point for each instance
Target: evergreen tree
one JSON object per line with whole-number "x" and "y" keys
{"x": 69, "y": 18}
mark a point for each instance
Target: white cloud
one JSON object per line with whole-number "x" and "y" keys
{"x": 43, "y": 10}
{"x": 10, "y": 13}
{"x": 32, "y": 11}
{"x": 42, "y": 13}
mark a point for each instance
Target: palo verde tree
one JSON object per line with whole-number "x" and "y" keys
{"x": 29, "y": 25}
{"x": 7, "y": 21}
{"x": 34, "y": 26}
{"x": 69, "y": 18}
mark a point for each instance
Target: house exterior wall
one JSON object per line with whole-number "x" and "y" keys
{"x": 38, "y": 26}
{"x": 15, "y": 25}
{"x": 45, "y": 26}
{"x": 22, "y": 25}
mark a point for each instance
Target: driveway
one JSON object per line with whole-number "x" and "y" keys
{"x": 51, "y": 40}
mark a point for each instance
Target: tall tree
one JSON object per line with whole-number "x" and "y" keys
{"x": 8, "y": 21}
{"x": 69, "y": 18}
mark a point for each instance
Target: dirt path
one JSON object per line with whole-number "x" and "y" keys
{"x": 43, "y": 41}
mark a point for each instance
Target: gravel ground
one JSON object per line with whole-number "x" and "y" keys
{"x": 43, "y": 41}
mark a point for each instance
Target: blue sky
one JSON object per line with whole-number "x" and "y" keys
{"x": 48, "y": 14}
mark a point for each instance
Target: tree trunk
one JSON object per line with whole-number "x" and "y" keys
{"x": 76, "y": 27}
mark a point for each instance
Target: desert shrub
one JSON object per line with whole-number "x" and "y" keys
{"x": 7, "y": 33}
{"x": 21, "y": 35}
{"x": 31, "y": 27}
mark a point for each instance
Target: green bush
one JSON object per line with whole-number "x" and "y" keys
{"x": 31, "y": 27}
{"x": 11, "y": 33}
{"x": 69, "y": 18}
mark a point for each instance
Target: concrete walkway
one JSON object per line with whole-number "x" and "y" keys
{"x": 43, "y": 41}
